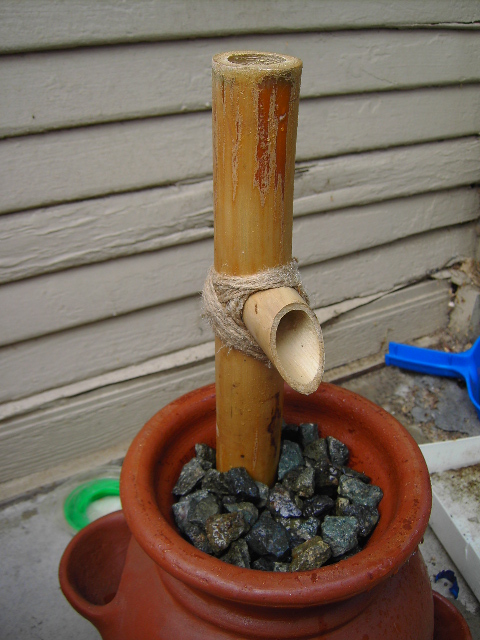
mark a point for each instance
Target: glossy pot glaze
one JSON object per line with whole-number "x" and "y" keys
{"x": 140, "y": 578}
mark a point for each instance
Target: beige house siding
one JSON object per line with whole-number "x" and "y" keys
{"x": 106, "y": 218}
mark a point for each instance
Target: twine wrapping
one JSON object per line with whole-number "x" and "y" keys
{"x": 224, "y": 298}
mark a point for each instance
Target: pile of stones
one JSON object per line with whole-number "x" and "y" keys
{"x": 320, "y": 510}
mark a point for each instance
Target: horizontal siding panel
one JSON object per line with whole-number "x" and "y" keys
{"x": 364, "y": 178}
{"x": 400, "y": 316}
{"x": 55, "y": 238}
{"x": 383, "y": 268}
{"x": 347, "y": 231}
{"x": 76, "y": 354}
{"x": 59, "y": 237}
{"x": 93, "y": 161}
{"x": 95, "y": 349}
{"x": 335, "y": 126}
{"x": 81, "y": 296}
{"x": 123, "y": 286}
{"x": 62, "y": 89}
{"x": 111, "y": 415}
{"x": 91, "y": 422}
{"x": 42, "y": 24}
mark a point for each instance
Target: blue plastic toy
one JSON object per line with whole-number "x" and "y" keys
{"x": 464, "y": 365}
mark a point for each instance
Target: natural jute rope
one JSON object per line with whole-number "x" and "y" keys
{"x": 224, "y": 298}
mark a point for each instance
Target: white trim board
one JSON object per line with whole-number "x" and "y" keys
{"x": 450, "y": 519}
{"x": 451, "y": 454}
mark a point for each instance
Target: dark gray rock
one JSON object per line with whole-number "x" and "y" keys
{"x": 263, "y": 564}
{"x": 312, "y": 554}
{"x": 366, "y": 495}
{"x": 301, "y": 481}
{"x": 346, "y": 555}
{"x": 241, "y": 484}
{"x": 226, "y": 500}
{"x": 308, "y": 433}
{"x": 268, "y": 537}
{"x": 282, "y": 502}
{"x": 206, "y": 456}
{"x": 337, "y": 451}
{"x": 263, "y": 493}
{"x": 326, "y": 477}
{"x": 317, "y": 450}
{"x": 290, "y": 458}
{"x": 238, "y": 554}
{"x": 318, "y": 506}
{"x": 359, "y": 475}
{"x": 300, "y": 529}
{"x": 197, "y": 536}
{"x": 367, "y": 517}
{"x": 340, "y": 533}
{"x": 189, "y": 477}
{"x": 248, "y": 510}
{"x": 246, "y": 524}
{"x": 215, "y": 482}
{"x": 208, "y": 506}
{"x": 185, "y": 506}
{"x": 223, "y": 529}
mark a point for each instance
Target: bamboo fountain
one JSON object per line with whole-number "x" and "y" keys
{"x": 255, "y": 113}
{"x": 131, "y": 573}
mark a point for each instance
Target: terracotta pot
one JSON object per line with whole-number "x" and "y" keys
{"x": 151, "y": 583}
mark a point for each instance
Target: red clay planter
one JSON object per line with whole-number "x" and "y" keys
{"x": 136, "y": 577}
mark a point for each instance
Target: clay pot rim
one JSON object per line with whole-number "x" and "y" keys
{"x": 382, "y": 557}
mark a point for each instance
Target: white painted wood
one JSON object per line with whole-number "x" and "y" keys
{"x": 76, "y": 354}
{"x": 61, "y": 89}
{"x": 87, "y": 422}
{"x": 40, "y": 24}
{"x": 451, "y": 454}
{"x": 42, "y": 305}
{"x": 106, "y": 193}
{"x": 99, "y": 160}
{"x": 92, "y": 161}
{"x": 55, "y": 238}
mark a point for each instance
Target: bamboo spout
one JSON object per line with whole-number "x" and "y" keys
{"x": 255, "y": 112}
{"x": 289, "y": 333}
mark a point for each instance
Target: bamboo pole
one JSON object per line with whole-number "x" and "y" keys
{"x": 255, "y": 112}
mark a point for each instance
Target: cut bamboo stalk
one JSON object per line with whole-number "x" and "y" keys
{"x": 255, "y": 113}
{"x": 289, "y": 333}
